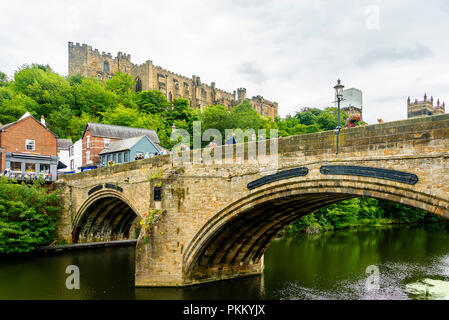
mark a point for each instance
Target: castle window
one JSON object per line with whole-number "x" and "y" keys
{"x": 170, "y": 97}
{"x": 125, "y": 69}
{"x": 138, "y": 85}
{"x": 106, "y": 66}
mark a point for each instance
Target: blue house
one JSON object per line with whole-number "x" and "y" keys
{"x": 127, "y": 150}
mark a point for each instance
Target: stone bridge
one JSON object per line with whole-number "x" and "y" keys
{"x": 203, "y": 222}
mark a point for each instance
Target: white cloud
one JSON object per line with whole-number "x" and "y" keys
{"x": 288, "y": 51}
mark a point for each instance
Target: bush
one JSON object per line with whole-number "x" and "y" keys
{"x": 27, "y": 216}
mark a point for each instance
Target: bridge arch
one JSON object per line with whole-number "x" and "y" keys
{"x": 234, "y": 240}
{"x": 106, "y": 215}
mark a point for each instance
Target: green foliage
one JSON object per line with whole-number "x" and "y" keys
{"x": 27, "y": 216}
{"x": 3, "y": 79}
{"x": 152, "y": 101}
{"x": 358, "y": 212}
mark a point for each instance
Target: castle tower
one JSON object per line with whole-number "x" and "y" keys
{"x": 424, "y": 108}
{"x": 241, "y": 95}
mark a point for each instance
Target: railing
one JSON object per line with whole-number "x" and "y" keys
{"x": 28, "y": 176}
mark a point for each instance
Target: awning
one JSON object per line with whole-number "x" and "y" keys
{"x": 61, "y": 165}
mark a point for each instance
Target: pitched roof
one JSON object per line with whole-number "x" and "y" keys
{"x": 120, "y": 132}
{"x": 126, "y": 144}
{"x": 25, "y": 115}
{"x": 64, "y": 143}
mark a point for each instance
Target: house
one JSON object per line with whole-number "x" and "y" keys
{"x": 76, "y": 156}
{"x": 28, "y": 149}
{"x": 64, "y": 153}
{"x": 127, "y": 150}
{"x": 98, "y": 136}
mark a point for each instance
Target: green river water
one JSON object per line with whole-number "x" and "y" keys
{"x": 412, "y": 263}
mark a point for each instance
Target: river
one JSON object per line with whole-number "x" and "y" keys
{"x": 404, "y": 262}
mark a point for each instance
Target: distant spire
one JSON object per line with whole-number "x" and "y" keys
{"x": 438, "y": 103}
{"x": 425, "y": 97}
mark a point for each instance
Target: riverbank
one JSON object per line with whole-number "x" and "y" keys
{"x": 72, "y": 247}
{"x": 360, "y": 212}
{"x": 317, "y": 229}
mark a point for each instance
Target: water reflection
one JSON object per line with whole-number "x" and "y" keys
{"x": 328, "y": 266}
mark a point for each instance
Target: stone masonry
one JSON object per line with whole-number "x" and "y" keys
{"x": 209, "y": 226}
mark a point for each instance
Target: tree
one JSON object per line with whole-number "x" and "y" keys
{"x": 3, "y": 79}
{"x": 328, "y": 119}
{"x": 91, "y": 96}
{"x": 152, "y": 101}
{"x": 13, "y": 105}
{"x": 28, "y": 216}
{"x": 243, "y": 116}
{"x": 121, "y": 83}
{"x": 44, "y": 86}
{"x": 216, "y": 117}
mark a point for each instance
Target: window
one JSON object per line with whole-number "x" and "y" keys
{"x": 72, "y": 165}
{"x": 30, "y": 145}
{"x": 138, "y": 84}
{"x": 109, "y": 157}
{"x": 45, "y": 168}
{"x": 88, "y": 142}
{"x": 87, "y": 157}
{"x": 16, "y": 166}
{"x": 71, "y": 151}
{"x": 170, "y": 97}
{"x": 107, "y": 142}
{"x": 120, "y": 158}
{"x": 106, "y": 67}
{"x": 126, "y": 157}
{"x": 30, "y": 167}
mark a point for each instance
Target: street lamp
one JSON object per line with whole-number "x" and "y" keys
{"x": 339, "y": 95}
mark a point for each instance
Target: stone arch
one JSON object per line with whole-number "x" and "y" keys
{"x": 233, "y": 241}
{"x": 106, "y": 215}
{"x": 138, "y": 84}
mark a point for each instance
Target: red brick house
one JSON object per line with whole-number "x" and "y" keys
{"x": 97, "y": 137}
{"x": 28, "y": 149}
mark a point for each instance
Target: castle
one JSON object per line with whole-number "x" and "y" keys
{"x": 91, "y": 63}
{"x": 424, "y": 108}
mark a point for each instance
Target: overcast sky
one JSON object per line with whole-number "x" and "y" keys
{"x": 291, "y": 52}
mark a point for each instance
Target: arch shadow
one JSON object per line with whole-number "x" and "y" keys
{"x": 105, "y": 216}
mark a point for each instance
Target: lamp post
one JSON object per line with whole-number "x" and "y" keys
{"x": 339, "y": 95}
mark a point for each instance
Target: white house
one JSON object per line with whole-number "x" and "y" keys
{"x": 76, "y": 156}
{"x": 63, "y": 153}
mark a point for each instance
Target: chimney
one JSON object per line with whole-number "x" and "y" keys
{"x": 43, "y": 120}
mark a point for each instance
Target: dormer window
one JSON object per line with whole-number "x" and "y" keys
{"x": 107, "y": 142}
{"x": 30, "y": 145}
